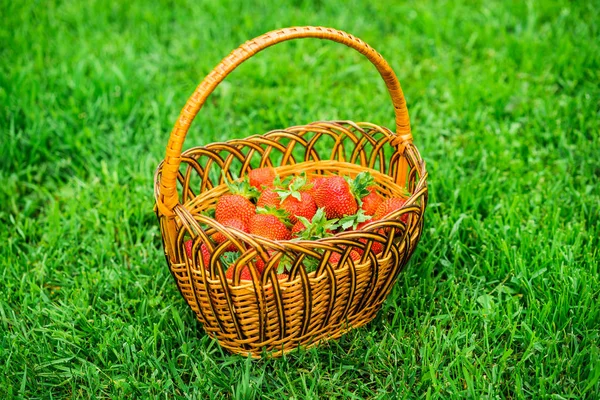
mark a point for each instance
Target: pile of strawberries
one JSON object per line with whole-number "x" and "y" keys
{"x": 297, "y": 208}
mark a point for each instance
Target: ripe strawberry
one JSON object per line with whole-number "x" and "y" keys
{"x": 234, "y": 206}
{"x": 203, "y": 250}
{"x": 362, "y": 224}
{"x": 297, "y": 228}
{"x": 205, "y": 255}
{"x": 237, "y": 204}
{"x": 219, "y": 238}
{"x": 314, "y": 183}
{"x": 371, "y": 201}
{"x": 260, "y": 264}
{"x": 376, "y": 247}
{"x": 270, "y": 227}
{"x": 268, "y": 197}
{"x": 245, "y": 275}
{"x": 260, "y": 177}
{"x": 335, "y": 258}
{"x": 388, "y": 206}
{"x": 334, "y": 195}
{"x": 305, "y": 207}
{"x": 188, "y": 247}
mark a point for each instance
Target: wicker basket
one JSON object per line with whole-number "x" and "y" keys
{"x": 271, "y": 316}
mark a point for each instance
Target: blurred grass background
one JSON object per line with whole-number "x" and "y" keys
{"x": 501, "y": 299}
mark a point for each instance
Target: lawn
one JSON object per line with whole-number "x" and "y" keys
{"x": 501, "y": 298}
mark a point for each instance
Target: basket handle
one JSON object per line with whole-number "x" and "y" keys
{"x": 168, "y": 198}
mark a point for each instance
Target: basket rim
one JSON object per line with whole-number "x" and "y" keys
{"x": 423, "y": 174}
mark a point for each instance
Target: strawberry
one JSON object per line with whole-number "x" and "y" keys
{"x": 219, "y": 238}
{"x": 362, "y": 224}
{"x": 203, "y": 250}
{"x": 314, "y": 183}
{"x": 280, "y": 267}
{"x": 268, "y": 197}
{"x": 234, "y": 206}
{"x": 237, "y": 204}
{"x": 260, "y": 177}
{"x": 269, "y": 226}
{"x": 294, "y": 198}
{"x": 205, "y": 256}
{"x": 335, "y": 258}
{"x": 376, "y": 247}
{"x": 303, "y": 207}
{"x": 371, "y": 201}
{"x": 259, "y": 262}
{"x": 188, "y": 247}
{"x": 333, "y": 194}
{"x": 390, "y": 205}
{"x": 297, "y": 228}
{"x": 245, "y": 275}
{"x": 228, "y": 261}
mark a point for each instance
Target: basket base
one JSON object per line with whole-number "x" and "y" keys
{"x": 302, "y": 343}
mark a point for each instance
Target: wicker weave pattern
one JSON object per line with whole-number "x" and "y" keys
{"x": 268, "y": 314}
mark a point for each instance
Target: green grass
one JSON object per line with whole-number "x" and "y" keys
{"x": 501, "y": 298}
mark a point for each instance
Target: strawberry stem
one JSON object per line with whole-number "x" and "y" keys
{"x": 319, "y": 227}
{"x": 294, "y": 187}
{"x": 360, "y": 184}
{"x": 242, "y": 187}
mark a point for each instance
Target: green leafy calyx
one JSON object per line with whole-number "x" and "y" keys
{"x": 360, "y": 184}
{"x": 293, "y": 187}
{"x": 353, "y": 220}
{"x": 319, "y": 227}
{"x": 242, "y": 188}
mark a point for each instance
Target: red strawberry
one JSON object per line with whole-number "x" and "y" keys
{"x": 260, "y": 264}
{"x": 205, "y": 256}
{"x": 362, "y": 224}
{"x": 305, "y": 207}
{"x": 270, "y": 227}
{"x": 188, "y": 247}
{"x": 335, "y": 258}
{"x": 260, "y": 177}
{"x": 371, "y": 201}
{"x": 333, "y": 194}
{"x": 388, "y": 206}
{"x": 297, "y": 228}
{"x": 203, "y": 250}
{"x": 277, "y": 266}
{"x": 234, "y": 206}
{"x": 315, "y": 181}
{"x": 376, "y": 247}
{"x": 219, "y": 238}
{"x": 245, "y": 275}
{"x": 268, "y": 197}
{"x": 237, "y": 204}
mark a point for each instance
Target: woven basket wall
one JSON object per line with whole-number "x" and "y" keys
{"x": 268, "y": 315}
